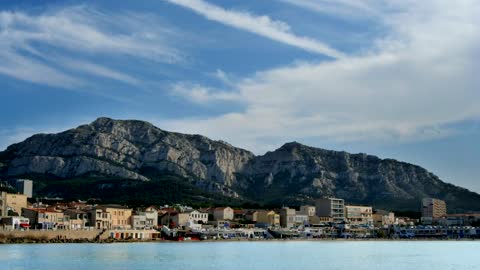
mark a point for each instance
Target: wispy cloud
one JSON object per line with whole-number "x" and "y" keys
{"x": 200, "y": 94}
{"x": 98, "y": 70}
{"x": 413, "y": 84}
{"x": 260, "y": 25}
{"x": 349, "y": 9}
{"x": 28, "y": 40}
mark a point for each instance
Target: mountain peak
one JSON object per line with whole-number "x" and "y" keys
{"x": 102, "y": 121}
{"x": 292, "y": 145}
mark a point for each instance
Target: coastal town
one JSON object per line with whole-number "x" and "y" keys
{"x": 327, "y": 218}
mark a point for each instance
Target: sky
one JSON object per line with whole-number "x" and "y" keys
{"x": 397, "y": 78}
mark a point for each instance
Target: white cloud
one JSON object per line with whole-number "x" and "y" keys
{"x": 200, "y": 94}
{"x": 413, "y": 84}
{"x": 348, "y": 9}
{"x": 260, "y": 25}
{"x": 29, "y": 43}
{"x": 24, "y": 68}
{"x": 98, "y": 70}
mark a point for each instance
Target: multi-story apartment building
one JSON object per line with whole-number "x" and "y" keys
{"x": 383, "y": 218}
{"x": 359, "y": 215}
{"x": 287, "y": 217}
{"x": 223, "y": 213}
{"x": 46, "y": 219}
{"x": 151, "y": 217}
{"x": 269, "y": 218}
{"x": 119, "y": 215}
{"x": 308, "y": 210}
{"x": 78, "y": 218}
{"x": 301, "y": 219}
{"x": 138, "y": 222}
{"x": 433, "y": 208}
{"x": 179, "y": 219}
{"x": 13, "y": 202}
{"x": 24, "y": 186}
{"x": 100, "y": 218}
{"x": 197, "y": 217}
{"x": 331, "y": 207}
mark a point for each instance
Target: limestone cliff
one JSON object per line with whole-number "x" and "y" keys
{"x": 294, "y": 173}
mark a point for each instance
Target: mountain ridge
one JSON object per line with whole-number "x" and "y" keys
{"x": 294, "y": 173}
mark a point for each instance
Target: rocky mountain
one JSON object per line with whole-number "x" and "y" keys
{"x": 131, "y": 157}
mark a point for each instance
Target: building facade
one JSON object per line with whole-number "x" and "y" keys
{"x": 383, "y": 218}
{"x": 14, "y": 223}
{"x": 269, "y": 218}
{"x": 120, "y": 216}
{"x": 13, "y": 202}
{"x": 25, "y": 187}
{"x": 359, "y": 215}
{"x": 433, "y": 208}
{"x": 223, "y": 213}
{"x": 46, "y": 219}
{"x": 331, "y": 207}
{"x": 287, "y": 217}
{"x": 308, "y": 210}
{"x": 100, "y": 219}
{"x": 78, "y": 218}
{"x": 197, "y": 217}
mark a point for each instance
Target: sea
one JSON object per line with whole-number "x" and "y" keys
{"x": 291, "y": 255}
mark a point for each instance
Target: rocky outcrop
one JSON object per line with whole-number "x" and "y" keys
{"x": 122, "y": 148}
{"x": 305, "y": 173}
{"x": 126, "y": 149}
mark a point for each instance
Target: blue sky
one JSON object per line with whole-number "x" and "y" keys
{"x": 397, "y": 79}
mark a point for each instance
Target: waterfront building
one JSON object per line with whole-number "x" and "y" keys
{"x": 13, "y": 202}
{"x": 383, "y": 218}
{"x": 359, "y": 215}
{"x": 432, "y": 210}
{"x": 220, "y": 223}
{"x": 197, "y": 217}
{"x": 319, "y": 220}
{"x": 151, "y": 217}
{"x": 14, "y": 223}
{"x": 78, "y": 218}
{"x": 100, "y": 219}
{"x": 301, "y": 219}
{"x": 179, "y": 219}
{"x": 119, "y": 215}
{"x": 239, "y": 214}
{"x": 24, "y": 186}
{"x": 223, "y": 213}
{"x": 46, "y": 218}
{"x": 331, "y": 207}
{"x": 287, "y": 217}
{"x": 471, "y": 219}
{"x": 269, "y": 218}
{"x": 308, "y": 210}
{"x": 138, "y": 222}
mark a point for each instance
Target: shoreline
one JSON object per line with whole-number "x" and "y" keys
{"x": 15, "y": 241}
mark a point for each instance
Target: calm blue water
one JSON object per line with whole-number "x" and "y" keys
{"x": 244, "y": 255}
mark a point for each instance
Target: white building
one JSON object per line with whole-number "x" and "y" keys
{"x": 138, "y": 222}
{"x": 15, "y": 223}
{"x": 197, "y": 217}
{"x": 151, "y": 217}
{"x": 359, "y": 215}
